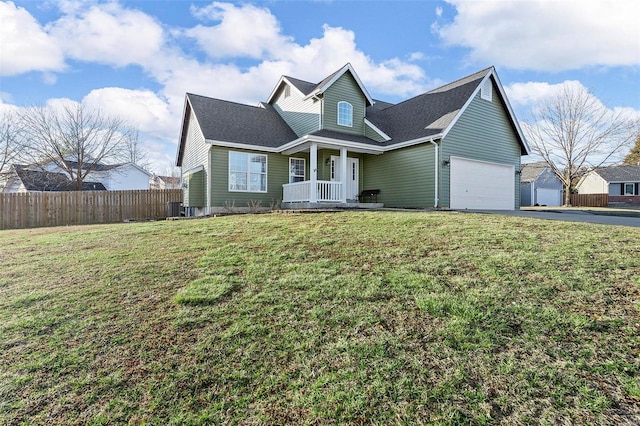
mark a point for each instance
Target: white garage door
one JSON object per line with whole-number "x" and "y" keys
{"x": 549, "y": 197}
{"x": 481, "y": 185}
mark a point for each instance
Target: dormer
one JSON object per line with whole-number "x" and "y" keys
{"x": 337, "y": 103}
{"x": 344, "y": 101}
{"x": 290, "y": 99}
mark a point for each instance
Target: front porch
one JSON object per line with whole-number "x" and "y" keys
{"x": 333, "y": 182}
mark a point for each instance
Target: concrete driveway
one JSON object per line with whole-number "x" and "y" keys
{"x": 602, "y": 216}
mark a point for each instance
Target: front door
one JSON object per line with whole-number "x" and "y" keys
{"x": 352, "y": 181}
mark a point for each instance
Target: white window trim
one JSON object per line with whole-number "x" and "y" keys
{"x": 633, "y": 188}
{"x": 304, "y": 168}
{"x": 338, "y": 114}
{"x": 266, "y": 173}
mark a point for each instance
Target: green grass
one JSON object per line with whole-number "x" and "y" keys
{"x": 349, "y": 318}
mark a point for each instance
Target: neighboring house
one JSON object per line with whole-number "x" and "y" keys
{"x": 3, "y": 179}
{"x": 321, "y": 144}
{"x": 539, "y": 186}
{"x": 23, "y": 179}
{"x": 622, "y": 183}
{"x": 114, "y": 177}
{"x": 164, "y": 182}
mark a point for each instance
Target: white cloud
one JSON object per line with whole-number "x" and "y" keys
{"x": 546, "y": 35}
{"x": 108, "y": 34}
{"x": 112, "y": 34}
{"x": 529, "y": 95}
{"x": 142, "y": 108}
{"x": 25, "y": 45}
{"x": 242, "y": 31}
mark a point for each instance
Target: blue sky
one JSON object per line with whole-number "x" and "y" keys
{"x": 137, "y": 59}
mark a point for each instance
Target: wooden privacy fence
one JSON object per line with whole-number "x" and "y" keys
{"x": 590, "y": 200}
{"x": 34, "y": 209}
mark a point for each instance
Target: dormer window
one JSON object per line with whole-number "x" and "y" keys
{"x": 345, "y": 114}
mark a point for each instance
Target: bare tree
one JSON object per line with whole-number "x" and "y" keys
{"x": 135, "y": 153}
{"x": 11, "y": 137}
{"x": 573, "y": 132}
{"x": 74, "y": 139}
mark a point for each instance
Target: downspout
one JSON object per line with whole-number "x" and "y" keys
{"x": 436, "y": 183}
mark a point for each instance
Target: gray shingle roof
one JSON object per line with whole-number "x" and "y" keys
{"x": 37, "y": 180}
{"x": 304, "y": 86}
{"x": 232, "y": 122}
{"x": 97, "y": 167}
{"x": 345, "y": 137}
{"x": 427, "y": 114}
{"x": 620, "y": 173}
{"x": 530, "y": 172}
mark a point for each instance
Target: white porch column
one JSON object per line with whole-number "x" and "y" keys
{"x": 313, "y": 173}
{"x": 343, "y": 174}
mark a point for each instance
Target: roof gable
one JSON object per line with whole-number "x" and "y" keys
{"x": 308, "y": 90}
{"x": 328, "y": 81}
{"x": 434, "y": 113}
{"x": 225, "y": 121}
{"x": 426, "y": 115}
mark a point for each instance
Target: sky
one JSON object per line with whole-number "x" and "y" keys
{"x": 137, "y": 59}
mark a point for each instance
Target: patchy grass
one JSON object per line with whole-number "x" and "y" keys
{"x": 409, "y": 318}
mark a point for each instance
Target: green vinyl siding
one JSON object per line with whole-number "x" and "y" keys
{"x": 195, "y": 191}
{"x": 372, "y": 134}
{"x": 277, "y": 175}
{"x": 483, "y": 132}
{"x": 344, "y": 89}
{"x": 405, "y": 177}
{"x": 303, "y": 116}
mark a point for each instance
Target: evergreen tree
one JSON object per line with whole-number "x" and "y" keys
{"x": 633, "y": 157}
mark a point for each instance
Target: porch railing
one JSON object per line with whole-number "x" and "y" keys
{"x": 301, "y": 191}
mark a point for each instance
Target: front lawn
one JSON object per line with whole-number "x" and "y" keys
{"x": 333, "y": 318}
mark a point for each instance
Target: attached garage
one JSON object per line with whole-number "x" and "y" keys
{"x": 481, "y": 185}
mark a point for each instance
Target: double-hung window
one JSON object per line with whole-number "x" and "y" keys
{"x": 247, "y": 172}
{"x": 629, "y": 189}
{"x": 345, "y": 114}
{"x": 296, "y": 170}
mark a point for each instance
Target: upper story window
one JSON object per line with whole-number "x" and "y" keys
{"x": 345, "y": 114}
{"x": 247, "y": 172}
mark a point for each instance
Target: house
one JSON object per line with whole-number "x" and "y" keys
{"x": 164, "y": 182}
{"x": 539, "y": 186}
{"x": 622, "y": 183}
{"x": 321, "y": 144}
{"x": 24, "y": 179}
{"x": 114, "y": 177}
